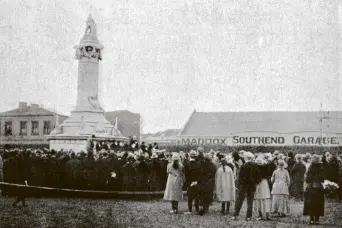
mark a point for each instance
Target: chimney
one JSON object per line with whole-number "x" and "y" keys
{"x": 22, "y": 105}
{"x": 34, "y": 107}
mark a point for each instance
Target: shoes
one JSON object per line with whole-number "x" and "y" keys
{"x": 172, "y": 212}
{"x": 311, "y": 222}
{"x": 248, "y": 219}
{"x": 187, "y": 213}
{"x": 235, "y": 218}
{"x": 201, "y": 212}
{"x": 259, "y": 218}
{"x": 317, "y": 223}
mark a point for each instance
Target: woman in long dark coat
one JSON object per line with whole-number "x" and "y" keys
{"x": 206, "y": 183}
{"x": 314, "y": 199}
{"x": 297, "y": 174}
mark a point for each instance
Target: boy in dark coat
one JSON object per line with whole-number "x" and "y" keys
{"x": 249, "y": 178}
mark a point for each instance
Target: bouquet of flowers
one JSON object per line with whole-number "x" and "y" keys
{"x": 330, "y": 188}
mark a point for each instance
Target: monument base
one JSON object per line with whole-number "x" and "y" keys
{"x": 74, "y": 132}
{"x": 75, "y": 144}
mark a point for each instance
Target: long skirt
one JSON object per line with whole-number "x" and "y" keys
{"x": 314, "y": 202}
{"x": 280, "y": 204}
{"x": 262, "y": 205}
{"x": 297, "y": 189}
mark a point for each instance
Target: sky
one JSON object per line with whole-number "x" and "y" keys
{"x": 165, "y": 58}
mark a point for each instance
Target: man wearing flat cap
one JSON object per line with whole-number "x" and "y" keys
{"x": 249, "y": 178}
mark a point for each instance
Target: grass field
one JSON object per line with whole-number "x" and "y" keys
{"x": 84, "y": 213}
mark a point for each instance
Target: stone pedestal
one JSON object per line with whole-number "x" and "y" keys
{"x": 88, "y": 118}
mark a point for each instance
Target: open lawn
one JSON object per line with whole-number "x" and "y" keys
{"x": 84, "y": 213}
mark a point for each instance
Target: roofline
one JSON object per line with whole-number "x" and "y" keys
{"x": 124, "y": 110}
{"x": 275, "y": 111}
{"x": 281, "y": 133}
{"x": 27, "y": 115}
{"x": 186, "y": 123}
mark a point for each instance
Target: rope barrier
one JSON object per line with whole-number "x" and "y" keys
{"x": 81, "y": 191}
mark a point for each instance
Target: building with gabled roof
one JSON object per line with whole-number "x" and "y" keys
{"x": 27, "y": 124}
{"x": 273, "y": 128}
{"x": 127, "y": 122}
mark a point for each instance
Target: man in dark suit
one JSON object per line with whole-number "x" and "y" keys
{"x": 249, "y": 177}
{"x": 22, "y": 177}
{"x": 191, "y": 177}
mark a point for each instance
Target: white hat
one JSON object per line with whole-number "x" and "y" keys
{"x": 192, "y": 153}
{"x": 175, "y": 156}
{"x": 260, "y": 160}
{"x": 248, "y": 154}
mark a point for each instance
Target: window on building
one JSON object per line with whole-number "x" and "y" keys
{"x": 35, "y": 128}
{"x": 8, "y": 128}
{"x": 47, "y": 127}
{"x": 23, "y": 128}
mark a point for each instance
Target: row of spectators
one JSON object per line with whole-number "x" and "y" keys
{"x": 125, "y": 171}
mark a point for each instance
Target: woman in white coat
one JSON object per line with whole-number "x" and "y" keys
{"x": 225, "y": 185}
{"x": 173, "y": 191}
{"x": 280, "y": 190}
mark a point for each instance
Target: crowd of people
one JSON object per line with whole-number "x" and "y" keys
{"x": 266, "y": 180}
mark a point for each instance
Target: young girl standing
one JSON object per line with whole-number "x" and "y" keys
{"x": 173, "y": 191}
{"x": 225, "y": 185}
{"x": 280, "y": 190}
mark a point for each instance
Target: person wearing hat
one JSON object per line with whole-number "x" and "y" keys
{"x": 141, "y": 173}
{"x": 155, "y": 173}
{"x": 262, "y": 195}
{"x": 307, "y": 160}
{"x": 297, "y": 174}
{"x": 173, "y": 191}
{"x": 249, "y": 177}
{"x": 314, "y": 199}
{"x": 280, "y": 190}
{"x": 128, "y": 173}
{"x": 191, "y": 168}
{"x": 225, "y": 185}
{"x": 206, "y": 182}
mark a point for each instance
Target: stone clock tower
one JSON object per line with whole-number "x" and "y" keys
{"x": 88, "y": 117}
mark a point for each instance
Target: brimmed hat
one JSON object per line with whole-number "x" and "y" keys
{"x": 192, "y": 153}
{"x": 175, "y": 156}
{"x": 299, "y": 157}
{"x": 200, "y": 149}
{"x": 315, "y": 158}
{"x": 260, "y": 160}
{"x": 207, "y": 155}
{"x": 248, "y": 154}
{"x": 281, "y": 163}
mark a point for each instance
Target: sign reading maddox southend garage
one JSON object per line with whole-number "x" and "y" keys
{"x": 287, "y": 140}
